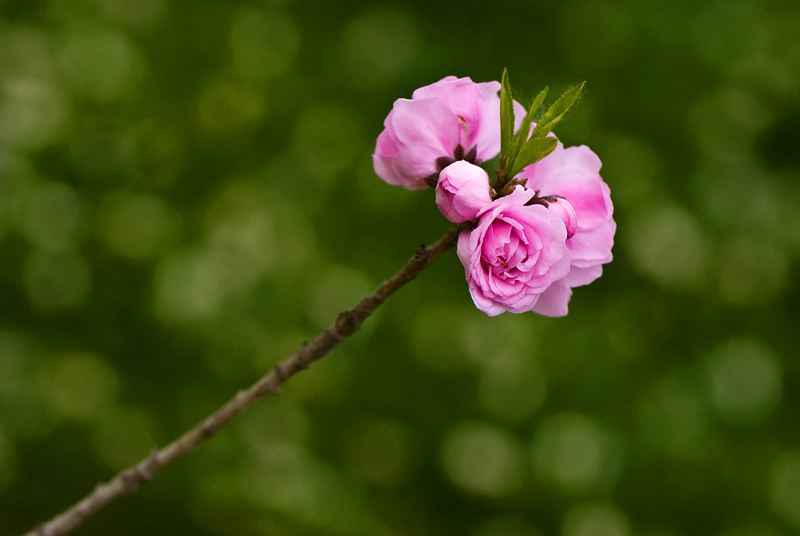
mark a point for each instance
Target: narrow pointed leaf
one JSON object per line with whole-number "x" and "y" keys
{"x": 532, "y": 152}
{"x": 506, "y": 120}
{"x": 543, "y": 129}
{"x": 522, "y": 134}
{"x": 556, "y": 111}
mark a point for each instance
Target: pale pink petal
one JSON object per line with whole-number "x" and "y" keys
{"x": 436, "y": 89}
{"x": 555, "y": 300}
{"x": 573, "y": 173}
{"x": 383, "y": 159}
{"x": 438, "y": 132}
{"x": 432, "y": 124}
{"x": 578, "y": 276}
{"x": 593, "y": 247}
{"x": 464, "y": 249}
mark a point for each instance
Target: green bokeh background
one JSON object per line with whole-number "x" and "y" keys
{"x": 186, "y": 194}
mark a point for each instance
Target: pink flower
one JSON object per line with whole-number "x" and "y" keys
{"x": 462, "y": 191}
{"x": 561, "y": 208}
{"x": 574, "y": 173}
{"x": 452, "y": 119}
{"x": 514, "y": 254}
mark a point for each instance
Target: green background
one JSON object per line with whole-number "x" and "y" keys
{"x": 186, "y": 194}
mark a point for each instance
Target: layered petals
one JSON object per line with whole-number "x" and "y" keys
{"x": 532, "y": 246}
{"x": 452, "y": 119}
{"x": 514, "y": 254}
{"x": 574, "y": 174}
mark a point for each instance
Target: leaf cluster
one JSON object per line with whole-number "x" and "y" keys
{"x": 519, "y": 150}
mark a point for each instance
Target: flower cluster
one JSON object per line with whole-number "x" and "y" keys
{"x": 539, "y": 230}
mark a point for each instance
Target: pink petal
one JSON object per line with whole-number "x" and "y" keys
{"x": 578, "y": 276}
{"x": 554, "y": 301}
{"x": 593, "y": 247}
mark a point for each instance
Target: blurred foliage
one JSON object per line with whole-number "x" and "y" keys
{"x": 186, "y": 194}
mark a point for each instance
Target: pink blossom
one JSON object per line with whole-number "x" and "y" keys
{"x": 514, "y": 254}
{"x": 462, "y": 191}
{"x": 574, "y": 173}
{"x": 562, "y": 208}
{"x": 452, "y": 119}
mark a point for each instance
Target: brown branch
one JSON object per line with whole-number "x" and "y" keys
{"x": 347, "y": 323}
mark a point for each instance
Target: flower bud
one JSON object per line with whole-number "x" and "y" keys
{"x": 561, "y": 208}
{"x": 462, "y": 191}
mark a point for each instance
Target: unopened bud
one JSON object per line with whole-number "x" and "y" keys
{"x": 462, "y": 191}
{"x": 561, "y": 208}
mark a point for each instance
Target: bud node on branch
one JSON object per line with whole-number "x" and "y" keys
{"x": 209, "y": 429}
{"x": 279, "y": 370}
{"x": 347, "y": 322}
{"x": 421, "y": 254}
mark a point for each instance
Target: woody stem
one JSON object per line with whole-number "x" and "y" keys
{"x": 347, "y": 323}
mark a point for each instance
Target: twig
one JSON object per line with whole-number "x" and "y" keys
{"x": 347, "y": 323}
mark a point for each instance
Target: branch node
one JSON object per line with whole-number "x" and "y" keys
{"x": 153, "y": 461}
{"x": 347, "y": 322}
{"x": 422, "y": 254}
{"x": 300, "y": 361}
{"x": 84, "y": 511}
{"x": 281, "y": 373}
{"x": 131, "y": 479}
{"x": 209, "y": 429}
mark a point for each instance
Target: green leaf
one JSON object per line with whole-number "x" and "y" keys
{"x": 556, "y": 111}
{"x": 522, "y": 134}
{"x": 506, "y": 120}
{"x": 532, "y": 152}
